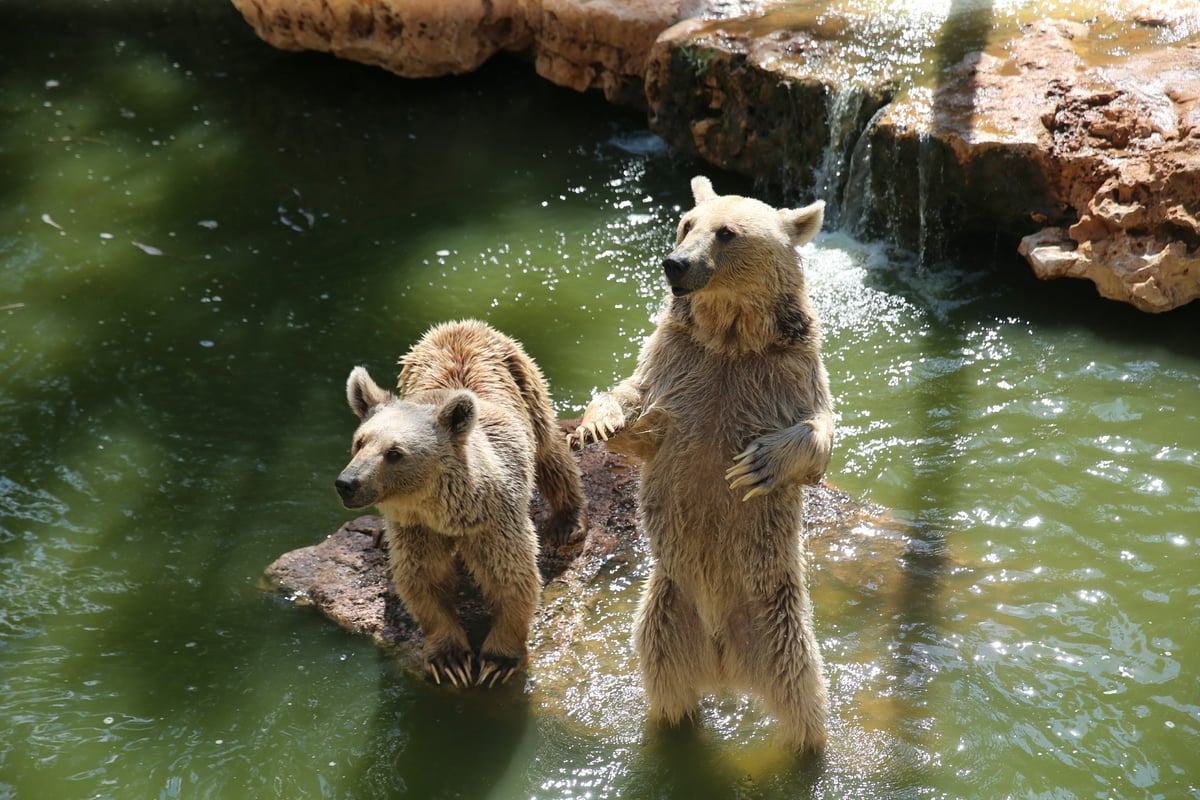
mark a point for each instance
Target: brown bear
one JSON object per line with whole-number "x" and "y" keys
{"x": 450, "y": 462}
{"x": 729, "y": 409}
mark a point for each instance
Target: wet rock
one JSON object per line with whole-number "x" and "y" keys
{"x": 977, "y": 141}
{"x": 763, "y": 96}
{"x": 581, "y": 44}
{"x": 1125, "y": 154}
{"x": 1146, "y": 271}
{"x": 345, "y": 576}
{"x": 602, "y": 44}
{"x": 412, "y": 38}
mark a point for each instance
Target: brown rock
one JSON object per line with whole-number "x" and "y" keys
{"x": 412, "y": 38}
{"x": 601, "y": 44}
{"x": 581, "y": 44}
{"x": 1125, "y": 153}
{"x": 1144, "y": 271}
{"x": 766, "y": 96}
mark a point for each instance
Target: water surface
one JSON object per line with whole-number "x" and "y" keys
{"x": 201, "y": 236}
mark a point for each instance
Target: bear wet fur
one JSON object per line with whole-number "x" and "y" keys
{"x": 730, "y": 411}
{"x": 450, "y": 461}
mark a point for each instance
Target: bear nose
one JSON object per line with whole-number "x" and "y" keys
{"x": 346, "y": 487}
{"x": 674, "y": 268}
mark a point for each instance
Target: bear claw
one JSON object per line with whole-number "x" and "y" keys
{"x": 749, "y": 469}
{"x": 499, "y": 669}
{"x": 602, "y": 420}
{"x": 456, "y": 670}
{"x": 593, "y": 434}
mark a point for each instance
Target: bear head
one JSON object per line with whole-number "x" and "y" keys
{"x": 401, "y": 445}
{"x": 725, "y": 238}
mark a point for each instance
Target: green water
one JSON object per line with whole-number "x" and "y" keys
{"x": 199, "y": 236}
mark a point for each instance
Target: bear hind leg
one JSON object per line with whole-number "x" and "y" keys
{"x": 560, "y": 486}
{"x": 790, "y": 672}
{"x": 557, "y": 473}
{"x": 675, "y": 659}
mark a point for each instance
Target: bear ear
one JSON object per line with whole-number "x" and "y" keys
{"x": 702, "y": 189}
{"x": 802, "y": 224}
{"x": 458, "y": 414}
{"x": 362, "y": 393}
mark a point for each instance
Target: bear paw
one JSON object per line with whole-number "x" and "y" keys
{"x": 603, "y": 419}
{"x": 496, "y": 668}
{"x": 566, "y": 527}
{"x": 786, "y": 457}
{"x": 452, "y": 664}
{"x": 752, "y": 468}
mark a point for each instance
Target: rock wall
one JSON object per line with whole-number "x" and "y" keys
{"x": 1044, "y": 138}
{"x": 581, "y": 44}
{"x": 1125, "y": 154}
{"x": 412, "y": 38}
{"x": 1091, "y": 165}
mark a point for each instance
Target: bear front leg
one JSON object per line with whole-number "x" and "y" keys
{"x": 796, "y": 455}
{"x": 504, "y": 564}
{"x": 421, "y": 562}
{"x": 674, "y": 655}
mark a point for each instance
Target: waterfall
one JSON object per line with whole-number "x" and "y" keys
{"x": 858, "y": 195}
{"x": 843, "y": 106}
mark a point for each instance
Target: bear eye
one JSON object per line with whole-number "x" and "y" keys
{"x": 725, "y": 234}
{"x": 687, "y": 228}
{"x": 393, "y": 455}
{"x": 358, "y": 445}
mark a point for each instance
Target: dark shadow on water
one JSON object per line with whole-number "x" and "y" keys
{"x": 942, "y": 396}
{"x": 438, "y": 742}
{"x": 686, "y": 762}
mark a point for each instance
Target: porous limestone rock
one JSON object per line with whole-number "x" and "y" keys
{"x": 412, "y": 38}
{"x": 601, "y": 44}
{"x": 581, "y": 44}
{"x": 1145, "y": 271}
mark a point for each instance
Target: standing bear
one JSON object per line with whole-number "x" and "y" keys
{"x": 729, "y": 410}
{"x": 451, "y": 462}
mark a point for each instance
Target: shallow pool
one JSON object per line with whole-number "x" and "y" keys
{"x": 200, "y": 236}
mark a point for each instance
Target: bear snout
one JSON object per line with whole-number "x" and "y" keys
{"x": 347, "y": 488}
{"x": 684, "y": 275}
{"x": 674, "y": 268}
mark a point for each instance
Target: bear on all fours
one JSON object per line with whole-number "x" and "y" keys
{"x": 451, "y": 461}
